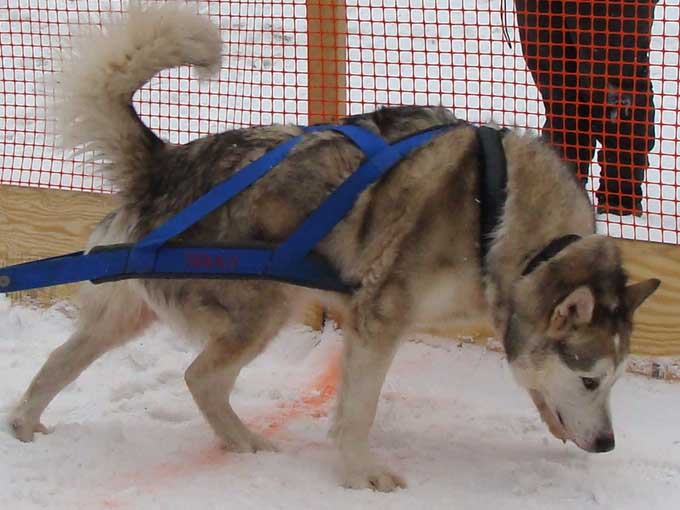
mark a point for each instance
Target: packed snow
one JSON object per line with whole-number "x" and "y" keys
{"x": 127, "y": 435}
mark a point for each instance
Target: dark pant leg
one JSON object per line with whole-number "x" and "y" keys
{"x": 550, "y": 55}
{"x": 629, "y": 127}
{"x": 613, "y": 42}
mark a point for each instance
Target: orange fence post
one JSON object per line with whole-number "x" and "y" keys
{"x": 327, "y": 70}
{"x": 327, "y": 59}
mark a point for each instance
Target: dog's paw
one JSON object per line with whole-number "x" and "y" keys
{"x": 24, "y": 428}
{"x": 253, "y": 443}
{"x": 377, "y": 477}
{"x": 259, "y": 443}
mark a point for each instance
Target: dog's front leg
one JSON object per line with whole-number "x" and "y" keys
{"x": 369, "y": 350}
{"x": 364, "y": 372}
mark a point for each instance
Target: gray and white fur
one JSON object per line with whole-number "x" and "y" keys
{"x": 409, "y": 246}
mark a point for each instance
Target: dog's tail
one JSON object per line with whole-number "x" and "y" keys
{"x": 94, "y": 90}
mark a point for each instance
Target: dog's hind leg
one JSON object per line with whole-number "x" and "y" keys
{"x": 369, "y": 349}
{"x": 110, "y": 315}
{"x": 244, "y": 334}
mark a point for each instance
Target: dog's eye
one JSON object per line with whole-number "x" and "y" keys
{"x": 590, "y": 383}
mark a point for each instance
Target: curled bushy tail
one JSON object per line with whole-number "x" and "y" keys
{"x": 99, "y": 76}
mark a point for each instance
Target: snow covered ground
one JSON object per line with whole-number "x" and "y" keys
{"x": 127, "y": 435}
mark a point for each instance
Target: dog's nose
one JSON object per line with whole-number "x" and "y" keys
{"x": 604, "y": 443}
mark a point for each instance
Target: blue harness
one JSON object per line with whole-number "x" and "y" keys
{"x": 292, "y": 261}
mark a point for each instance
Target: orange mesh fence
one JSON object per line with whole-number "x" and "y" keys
{"x": 599, "y": 79}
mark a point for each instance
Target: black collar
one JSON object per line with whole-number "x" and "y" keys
{"x": 493, "y": 179}
{"x": 549, "y": 251}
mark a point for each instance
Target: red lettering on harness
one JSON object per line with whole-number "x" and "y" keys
{"x": 207, "y": 261}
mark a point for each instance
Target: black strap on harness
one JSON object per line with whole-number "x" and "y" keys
{"x": 493, "y": 179}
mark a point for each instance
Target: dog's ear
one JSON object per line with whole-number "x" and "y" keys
{"x": 575, "y": 309}
{"x": 636, "y": 294}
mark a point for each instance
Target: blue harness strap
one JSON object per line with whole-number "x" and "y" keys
{"x": 143, "y": 254}
{"x": 338, "y": 204}
{"x": 154, "y": 257}
{"x": 70, "y": 268}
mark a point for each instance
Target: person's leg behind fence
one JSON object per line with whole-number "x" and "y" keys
{"x": 629, "y": 133}
{"x": 550, "y": 55}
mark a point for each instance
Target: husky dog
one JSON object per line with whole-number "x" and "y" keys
{"x": 410, "y": 247}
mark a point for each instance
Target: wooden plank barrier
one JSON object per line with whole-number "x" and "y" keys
{"x": 657, "y": 322}
{"x": 39, "y": 223}
{"x": 36, "y": 223}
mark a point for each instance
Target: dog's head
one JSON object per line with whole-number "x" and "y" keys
{"x": 568, "y": 338}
